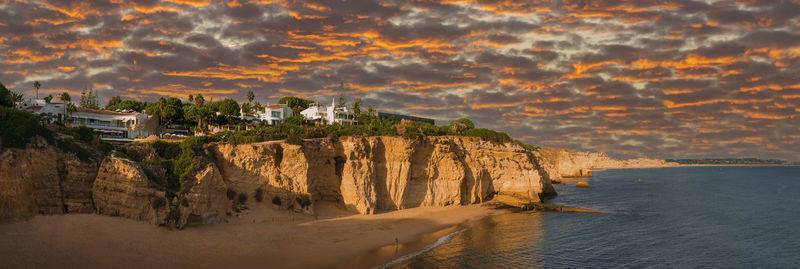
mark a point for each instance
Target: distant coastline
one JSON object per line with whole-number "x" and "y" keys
{"x": 732, "y": 161}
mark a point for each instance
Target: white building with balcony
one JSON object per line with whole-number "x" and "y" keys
{"x": 113, "y": 125}
{"x": 53, "y": 111}
{"x": 275, "y": 114}
{"x": 330, "y": 114}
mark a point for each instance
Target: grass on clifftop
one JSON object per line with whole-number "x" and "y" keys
{"x": 371, "y": 126}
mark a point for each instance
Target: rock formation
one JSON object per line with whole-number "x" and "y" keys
{"x": 42, "y": 179}
{"x": 363, "y": 174}
{"x": 123, "y": 189}
{"x": 381, "y": 173}
{"x": 579, "y": 164}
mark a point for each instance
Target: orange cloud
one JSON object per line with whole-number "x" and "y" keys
{"x": 66, "y": 68}
{"x": 581, "y": 68}
{"x": 28, "y": 56}
{"x": 194, "y": 3}
{"x": 264, "y": 73}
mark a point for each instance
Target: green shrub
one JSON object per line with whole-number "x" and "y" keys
{"x": 166, "y": 150}
{"x": 526, "y": 146}
{"x": 18, "y": 127}
{"x": 294, "y": 139}
{"x": 69, "y": 146}
{"x": 122, "y": 153}
{"x": 105, "y": 147}
{"x": 84, "y": 133}
{"x": 294, "y": 120}
{"x": 489, "y": 135}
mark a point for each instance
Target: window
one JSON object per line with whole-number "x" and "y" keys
{"x": 276, "y": 114}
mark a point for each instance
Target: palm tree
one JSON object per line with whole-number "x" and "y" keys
{"x": 191, "y": 98}
{"x": 199, "y": 100}
{"x": 37, "y": 85}
{"x": 15, "y": 98}
{"x": 71, "y": 108}
{"x": 250, "y": 96}
{"x": 65, "y": 97}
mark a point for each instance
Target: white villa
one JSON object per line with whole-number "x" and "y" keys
{"x": 53, "y": 111}
{"x": 114, "y": 125}
{"x": 274, "y": 114}
{"x": 330, "y": 114}
{"x": 110, "y": 125}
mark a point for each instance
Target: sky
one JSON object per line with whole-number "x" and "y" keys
{"x": 665, "y": 79}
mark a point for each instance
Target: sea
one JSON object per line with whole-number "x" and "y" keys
{"x": 687, "y": 217}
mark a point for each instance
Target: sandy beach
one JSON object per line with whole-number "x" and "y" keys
{"x": 258, "y": 237}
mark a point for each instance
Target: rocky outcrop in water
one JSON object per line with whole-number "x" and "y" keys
{"x": 579, "y": 164}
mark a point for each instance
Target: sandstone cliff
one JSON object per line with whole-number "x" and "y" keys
{"x": 42, "y": 179}
{"x": 135, "y": 190}
{"x": 381, "y": 173}
{"x": 364, "y": 174}
{"x": 579, "y": 164}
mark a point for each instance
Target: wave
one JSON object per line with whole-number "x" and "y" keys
{"x": 443, "y": 240}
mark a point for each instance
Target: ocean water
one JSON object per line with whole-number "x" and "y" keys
{"x": 692, "y": 217}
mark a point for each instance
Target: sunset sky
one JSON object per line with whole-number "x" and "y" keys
{"x": 631, "y": 78}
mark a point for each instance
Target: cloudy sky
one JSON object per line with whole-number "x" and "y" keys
{"x": 630, "y": 78}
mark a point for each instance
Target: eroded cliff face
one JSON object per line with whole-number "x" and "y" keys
{"x": 44, "y": 180}
{"x": 123, "y": 189}
{"x": 579, "y": 164}
{"x": 134, "y": 190}
{"x": 364, "y": 174}
{"x": 381, "y": 173}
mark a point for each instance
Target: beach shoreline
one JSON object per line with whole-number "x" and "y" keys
{"x": 259, "y": 237}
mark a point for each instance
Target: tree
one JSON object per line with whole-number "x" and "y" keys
{"x": 341, "y": 102}
{"x": 295, "y": 103}
{"x": 191, "y": 98}
{"x": 71, "y": 108}
{"x": 357, "y": 107}
{"x": 229, "y": 108}
{"x": 250, "y": 96}
{"x": 371, "y": 110}
{"x": 113, "y": 101}
{"x": 89, "y": 99}
{"x": 48, "y": 98}
{"x": 37, "y": 85}
{"x": 15, "y": 98}
{"x": 467, "y": 122}
{"x": 199, "y": 100}
{"x": 199, "y": 114}
{"x": 246, "y": 108}
{"x": 5, "y": 96}
{"x": 169, "y": 109}
{"x": 65, "y": 97}
{"x": 127, "y": 105}
{"x": 461, "y": 126}
{"x": 258, "y": 106}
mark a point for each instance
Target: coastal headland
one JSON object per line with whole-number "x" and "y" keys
{"x": 269, "y": 203}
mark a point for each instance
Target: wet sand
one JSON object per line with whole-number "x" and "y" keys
{"x": 259, "y": 237}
